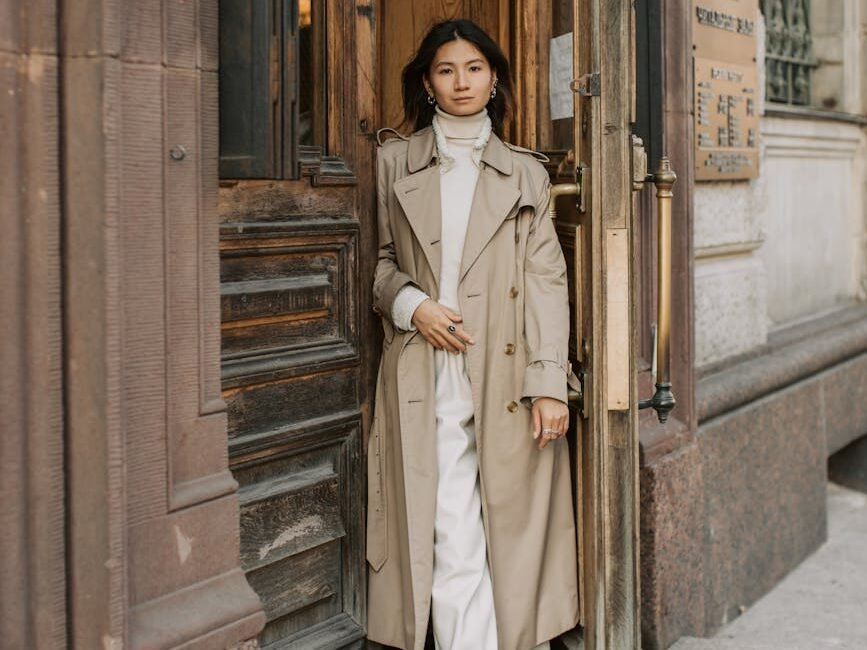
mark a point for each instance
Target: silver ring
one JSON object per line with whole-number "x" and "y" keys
{"x": 451, "y": 328}
{"x": 547, "y": 430}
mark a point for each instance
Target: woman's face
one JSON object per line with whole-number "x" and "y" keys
{"x": 460, "y": 78}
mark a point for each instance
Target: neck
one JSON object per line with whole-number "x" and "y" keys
{"x": 461, "y": 127}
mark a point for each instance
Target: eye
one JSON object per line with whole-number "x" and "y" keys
{"x": 475, "y": 68}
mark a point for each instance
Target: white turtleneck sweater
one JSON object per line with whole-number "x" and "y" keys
{"x": 459, "y": 174}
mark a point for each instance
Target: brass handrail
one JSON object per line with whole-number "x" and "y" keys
{"x": 663, "y": 399}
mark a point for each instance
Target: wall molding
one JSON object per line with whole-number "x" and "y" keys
{"x": 786, "y": 360}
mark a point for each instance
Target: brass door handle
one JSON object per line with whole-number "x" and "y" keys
{"x": 576, "y": 391}
{"x": 561, "y": 189}
{"x": 663, "y": 399}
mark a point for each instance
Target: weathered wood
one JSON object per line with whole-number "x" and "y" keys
{"x": 288, "y": 285}
{"x": 263, "y": 407}
{"x": 608, "y": 441}
{"x": 299, "y": 580}
{"x": 294, "y": 520}
{"x": 298, "y": 346}
{"x": 620, "y": 469}
{"x": 340, "y": 632}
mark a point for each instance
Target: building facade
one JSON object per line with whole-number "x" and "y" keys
{"x": 189, "y": 355}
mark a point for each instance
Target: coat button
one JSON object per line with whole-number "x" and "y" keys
{"x": 510, "y": 348}
{"x": 513, "y": 292}
{"x": 512, "y": 406}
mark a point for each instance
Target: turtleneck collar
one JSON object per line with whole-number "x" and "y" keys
{"x": 461, "y": 127}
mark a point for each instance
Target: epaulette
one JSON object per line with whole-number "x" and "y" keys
{"x": 388, "y": 129}
{"x": 538, "y": 156}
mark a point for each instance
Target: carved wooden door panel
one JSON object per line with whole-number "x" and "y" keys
{"x": 298, "y": 353}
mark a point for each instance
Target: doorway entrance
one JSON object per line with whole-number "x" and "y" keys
{"x": 303, "y": 86}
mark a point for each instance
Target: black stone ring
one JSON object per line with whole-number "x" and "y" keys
{"x": 451, "y": 328}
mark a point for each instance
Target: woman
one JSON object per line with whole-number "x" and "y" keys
{"x": 470, "y": 516}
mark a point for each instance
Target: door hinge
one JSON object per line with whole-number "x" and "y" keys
{"x": 587, "y": 85}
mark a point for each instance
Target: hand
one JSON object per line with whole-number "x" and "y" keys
{"x": 433, "y": 319}
{"x": 550, "y": 420}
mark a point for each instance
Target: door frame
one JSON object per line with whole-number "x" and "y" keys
{"x": 607, "y": 464}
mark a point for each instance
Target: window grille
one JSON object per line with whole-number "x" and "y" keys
{"x": 788, "y": 51}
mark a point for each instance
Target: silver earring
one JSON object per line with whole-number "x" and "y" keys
{"x": 494, "y": 91}
{"x": 431, "y": 100}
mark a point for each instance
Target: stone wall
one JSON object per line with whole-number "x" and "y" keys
{"x": 813, "y": 219}
{"x": 789, "y": 245}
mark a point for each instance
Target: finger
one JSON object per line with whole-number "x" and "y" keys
{"x": 452, "y": 316}
{"x": 454, "y": 339}
{"x": 436, "y": 340}
{"x": 454, "y": 343}
{"x": 462, "y": 334}
{"x": 537, "y": 422}
{"x": 458, "y": 335}
{"x": 428, "y": 336}
{"x": 449, "y": 342}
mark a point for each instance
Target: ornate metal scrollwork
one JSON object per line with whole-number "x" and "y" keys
{"x": 788, "y": 51}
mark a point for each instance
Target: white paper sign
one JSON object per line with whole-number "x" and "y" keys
{"x": 560, "y": 76}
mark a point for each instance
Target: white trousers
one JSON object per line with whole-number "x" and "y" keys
{"x": 462, "y": 607}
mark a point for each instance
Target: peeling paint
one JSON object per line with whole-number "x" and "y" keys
{"x": 297, "y": 529}
{"x": 185, "y": 545}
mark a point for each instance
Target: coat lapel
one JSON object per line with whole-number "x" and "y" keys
{"x": 493, "y": 201}
{"x": 419, "y": 196}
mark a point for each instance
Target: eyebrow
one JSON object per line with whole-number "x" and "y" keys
{"x": 452, "y": 63}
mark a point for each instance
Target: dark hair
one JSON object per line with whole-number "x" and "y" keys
{"x": 417, "y": 111}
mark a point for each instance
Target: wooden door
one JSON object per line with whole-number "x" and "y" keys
{"x": 298, "y": 349}
{"x": 576, "y": 101}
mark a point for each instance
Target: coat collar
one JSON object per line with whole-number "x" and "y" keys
{"x": 422, "y": 150}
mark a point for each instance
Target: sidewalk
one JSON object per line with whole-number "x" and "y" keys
{"x": 822, "y": 604}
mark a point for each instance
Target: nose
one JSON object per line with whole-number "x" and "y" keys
{"x": 461, "y": 80}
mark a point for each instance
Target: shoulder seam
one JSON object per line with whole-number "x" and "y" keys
{"x": 388, "y": 129}
{"x": 535, "y": 154}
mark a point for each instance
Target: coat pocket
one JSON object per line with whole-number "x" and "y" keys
{"x": 377, "y": 519}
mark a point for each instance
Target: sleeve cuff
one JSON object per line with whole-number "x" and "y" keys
{"x": 544, "y": 379}
{"x": 405, "y": 303}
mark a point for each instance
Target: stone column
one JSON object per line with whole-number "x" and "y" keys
{"x": 32, "y": 572}
{"x": 153, "y": 510}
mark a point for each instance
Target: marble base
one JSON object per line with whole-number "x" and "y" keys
{"x": 728, "y": 513}
{"x": 764, "y": 476}
{"x": 844, "y": 389}
{"x": 672, "y": 553}
{"x": 848, "y": 466}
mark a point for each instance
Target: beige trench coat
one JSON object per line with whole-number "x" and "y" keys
{"x": 513, "y": 299}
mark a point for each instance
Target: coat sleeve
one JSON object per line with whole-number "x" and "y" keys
{"x": 388, "y": 279}
{"x": 546, "y": 307}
